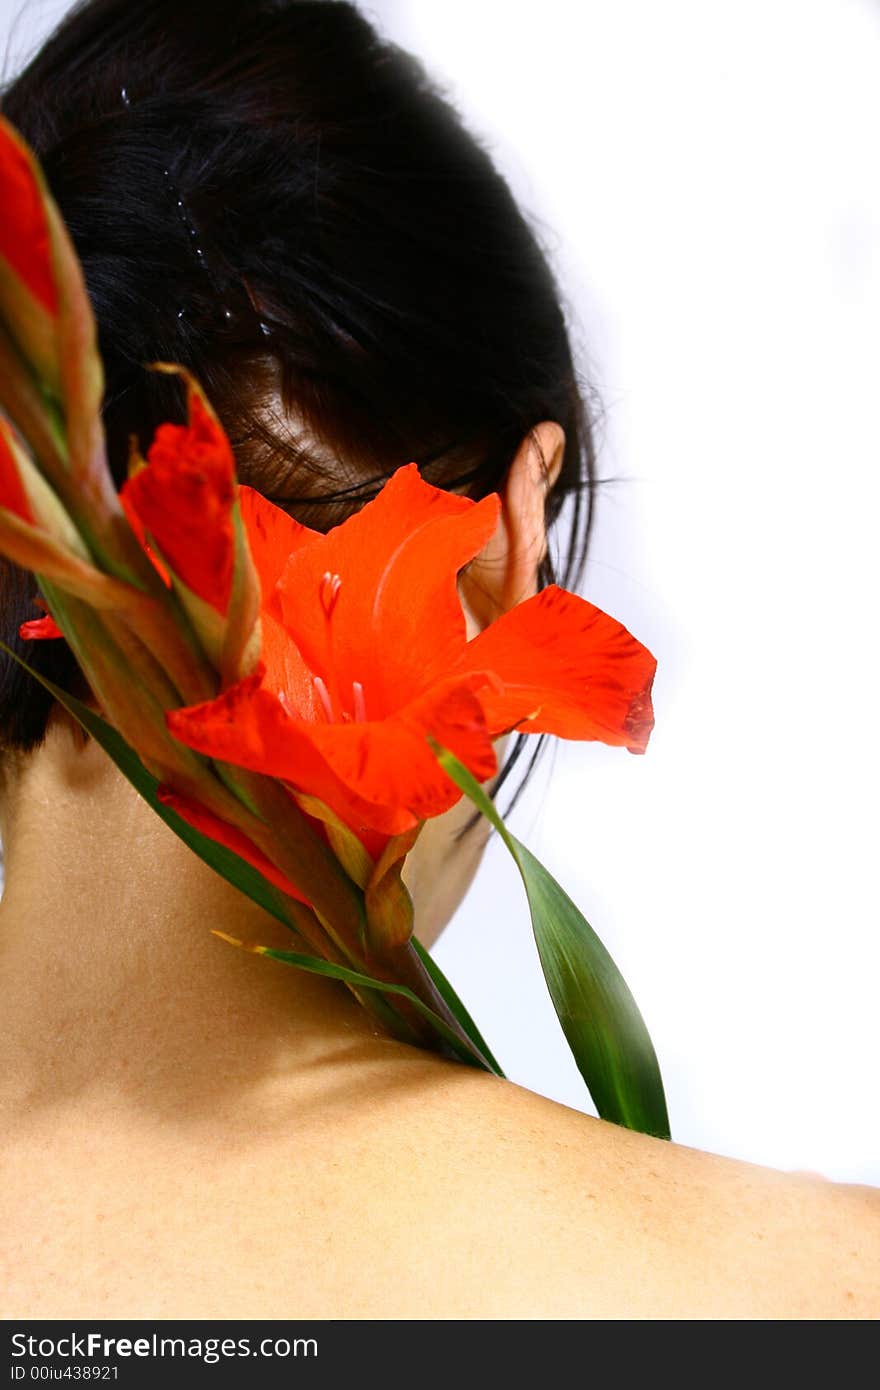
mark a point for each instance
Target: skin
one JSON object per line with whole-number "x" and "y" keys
{"x": 192, "y": 1131}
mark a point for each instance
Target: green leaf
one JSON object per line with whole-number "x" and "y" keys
{"x": 354, "y": 977}
{"x": 599, "y": 1016}
{"x": 234, "y": 869}
{"x": 453, "y": 1003}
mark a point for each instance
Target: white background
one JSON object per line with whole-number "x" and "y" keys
{"x": 705, "y": 180}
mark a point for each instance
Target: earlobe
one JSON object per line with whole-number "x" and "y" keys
{"x": 506, "y": 570}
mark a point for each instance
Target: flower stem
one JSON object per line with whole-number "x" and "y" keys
{"x": 404, "y": 966}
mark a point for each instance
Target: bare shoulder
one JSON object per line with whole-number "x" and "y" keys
{"x": 392, "y": 1185}
{"x": 678, "y": 1232}
{"x": 446, "y": 1193}
{"x": 556, "y": 1214}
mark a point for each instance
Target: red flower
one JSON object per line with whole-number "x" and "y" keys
{"x": 182, "y": 501}
{"x": 365, "y": 655}
{"x": 25, "y": 243}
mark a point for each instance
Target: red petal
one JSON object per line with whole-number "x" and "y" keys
{"x": 286, "y": 674}
{"x": 237, "y": 726}
{"x": 24, "y": 232}
{"x": 389, "y": 763}
{"x": 566, "y": 668}
{"x": 200, "y": 818}
{"x": 272, "y": 536}
{"x": 397, "y": 624}
{"x": 379, "y": 775}
{"x": 248, "y": 725}
{"x": 184, "y": 500}
{"x": 37, "y": 628}
{"x": 12, "y": 494}
{"x": 136, "y": 525}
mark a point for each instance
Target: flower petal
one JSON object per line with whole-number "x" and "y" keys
{"x": 25, "y": 243}
{"x": 286, "y": 674}
{"x": 200, "y": 818}
{"x": 272, "y": 535}
{"x": 379, "y": 776}
{"x": 35, "y": 629}
{"x": 566, "y": 668}
{"x": 248, "y": 725}
{"x": 394, "y": 624}
{"x": 134, "y": 521}
{"x": 183, "y": 500}
{"x": 244, "y": 725}
{"x": 389, "y": 763}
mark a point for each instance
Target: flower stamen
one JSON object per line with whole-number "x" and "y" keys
{"x": 328, "y": 595}
{"x": 328, "y": 592}
{"x": 360, "y": 704}
{"x": 324, "y": 696}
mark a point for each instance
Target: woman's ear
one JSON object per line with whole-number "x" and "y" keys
{"x": 506, "y": 570}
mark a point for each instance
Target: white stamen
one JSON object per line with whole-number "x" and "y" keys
{"x": 324, "y": 697}
{"x": 328, "y": 591}
{"x": 360, "y": 704}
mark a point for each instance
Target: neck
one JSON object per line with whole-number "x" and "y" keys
{"x": 111, "y": 978}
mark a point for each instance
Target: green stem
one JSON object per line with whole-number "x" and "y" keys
{"x": 293, "y": 845}
{"x": 132, "y": 694}
{"x": 403, "y": 964}
{"x": 26, "y": 407}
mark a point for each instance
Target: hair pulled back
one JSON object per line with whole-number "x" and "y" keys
{"x": 271, "y": 194}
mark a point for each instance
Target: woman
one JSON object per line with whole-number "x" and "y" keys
{"x": 271, "y": 196}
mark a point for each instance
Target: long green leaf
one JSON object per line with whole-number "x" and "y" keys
{"x": 598, "y": 1014}
{"x": 354, "y": 977}
{"x": 454, "y": 1004}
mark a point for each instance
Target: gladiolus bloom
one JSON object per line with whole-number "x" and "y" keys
{"x": 366, "y": 655}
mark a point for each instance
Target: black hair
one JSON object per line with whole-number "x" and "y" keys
{"x": 275, "y": 196}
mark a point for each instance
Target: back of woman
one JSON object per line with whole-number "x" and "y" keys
{"x": 270, "y": 195}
